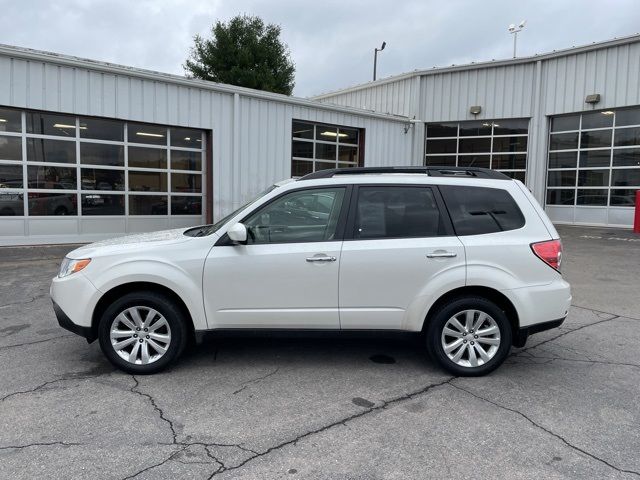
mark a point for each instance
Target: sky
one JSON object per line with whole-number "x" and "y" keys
{"x": 331, "y": 42}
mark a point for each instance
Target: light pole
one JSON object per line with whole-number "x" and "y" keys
{"x": 375, "y": 58}
{"x": 514, "y": 30}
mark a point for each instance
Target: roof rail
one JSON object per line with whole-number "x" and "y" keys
{"x": 432, "y": 171}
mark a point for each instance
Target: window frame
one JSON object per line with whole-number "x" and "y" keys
{"x": 337, "y": 143}
{"x": 353, "y": 204}
{"x": 340, "y": 225}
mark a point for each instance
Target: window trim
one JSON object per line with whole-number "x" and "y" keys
{"x": 340, "y": 225}
{"x": 353, "y": 203}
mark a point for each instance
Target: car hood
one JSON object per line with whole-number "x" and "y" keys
{"x": 141, "y": 241}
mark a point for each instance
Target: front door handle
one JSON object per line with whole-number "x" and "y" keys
{"x": 441, "y": 255}
{"x": 321, "y": 258}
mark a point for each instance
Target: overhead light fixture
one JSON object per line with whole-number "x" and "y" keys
{"x": 145, "y": 134}
{"x": 592, "y": 98}
{"x": 333, "y": 134}
{"x": 475, "y": 109}
{"x": 607, "y": 112}
{"x": 3, "y": 120}
{"x": 187, "y": 138}
{"x": 64, "y": 125}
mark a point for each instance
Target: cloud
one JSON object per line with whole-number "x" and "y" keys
{"x": 331, "y": 42}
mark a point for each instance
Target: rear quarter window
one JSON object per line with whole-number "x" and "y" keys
{"x": 479, "y": 210}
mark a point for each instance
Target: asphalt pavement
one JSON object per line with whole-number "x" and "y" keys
{"x": 564, "y": 406}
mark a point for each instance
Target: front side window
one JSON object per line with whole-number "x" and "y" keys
{"x": 396, "y": 212}
{"x": 297, "y": 217}
{"x": 478, "y": 210}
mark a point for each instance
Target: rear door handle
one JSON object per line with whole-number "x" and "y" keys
{"x": 441, "y": 255}
{"x": 321, "y": 258}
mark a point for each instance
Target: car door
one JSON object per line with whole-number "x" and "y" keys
{"x": 399, "y": 253}
{"x": 286, "y": 275}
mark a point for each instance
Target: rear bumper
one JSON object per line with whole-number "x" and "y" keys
{"x": 65, "y": 322}
{"x": 521, "y": 336}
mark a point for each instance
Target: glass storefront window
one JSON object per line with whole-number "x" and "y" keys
{"x": 10, "y": 120}
{"x": 10, "y": 148}
{"x": 319, "y": 146}
{"x": 51, "y": 178}
{"x": 100, "y": 129}
{"x": 101, "y": 204}
{"x": 51, "y": 151}
{"x": 10, "y": 176}
{"x": 51, "y": 124}
{"x": 98, "y": 166}
{"x": 602, "y": 142}
{"x": 148, "y": 205}
{"x": 144, "y": 133}
{"x": 186, "y": 138}
{"x": 497, "y": 144}
{"x": 58, "y": 204}
{"x": 102, "y": 179}
{"x": 147, "y": 181}
{"x": 101, "y": 154}
{"x": 147, "y": 157}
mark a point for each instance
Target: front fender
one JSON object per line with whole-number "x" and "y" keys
{"x": 107, "y": 274}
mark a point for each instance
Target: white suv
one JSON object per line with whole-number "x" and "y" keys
{"x": 464, "y": 256}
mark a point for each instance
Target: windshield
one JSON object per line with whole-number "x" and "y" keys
{"x": 205, "y": 230}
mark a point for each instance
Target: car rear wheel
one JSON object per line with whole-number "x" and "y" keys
{"x": 469, "y": 336}
{"x": 142, "y": 332}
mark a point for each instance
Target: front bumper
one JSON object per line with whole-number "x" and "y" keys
{"x": 65, "y": 322}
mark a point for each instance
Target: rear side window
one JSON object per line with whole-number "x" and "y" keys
{"x": 478, "y": 210}
{"x": 396, "y": 212}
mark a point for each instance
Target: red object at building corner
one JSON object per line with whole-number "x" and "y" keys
{"x": 636, "y": 219}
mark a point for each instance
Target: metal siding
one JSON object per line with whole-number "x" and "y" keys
{"x": 392, "y": 97}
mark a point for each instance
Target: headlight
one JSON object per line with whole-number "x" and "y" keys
{"x": 70, "y": 265}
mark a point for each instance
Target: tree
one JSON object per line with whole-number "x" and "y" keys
{"x": 243, "y": 52}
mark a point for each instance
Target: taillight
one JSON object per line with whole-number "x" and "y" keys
{"x": 550, "y": 252}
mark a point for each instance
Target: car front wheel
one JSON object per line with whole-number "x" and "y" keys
{"x": 469, "y": 336}
{"x": 142, "y": 332}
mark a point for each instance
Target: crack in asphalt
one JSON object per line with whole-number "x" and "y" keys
{"x": 567, "y": 333}
{"x": 33, "y": 299}
{"x": 42, "y": 385}
{"x": 599, "y": 362}
{"x": 150, "y": 467}
{"x": 550, "y": 432}
{"x": 255, "y": 380}
{"x": 6, "y": 347}
{"x": 39, "y": 444}
{"x": 383, "y": 405}
{"x": 602, "y": 311}
{"x": 135, "y": 389}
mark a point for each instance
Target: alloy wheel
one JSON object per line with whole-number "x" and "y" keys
{"x": 140, "y": 335}
{"x": 470, "y": 338}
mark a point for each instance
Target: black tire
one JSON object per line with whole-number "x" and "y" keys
{"x": 438, "y": 321}
{"x": 164, "y": 306}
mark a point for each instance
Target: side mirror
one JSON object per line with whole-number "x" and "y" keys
{"x": 237, "y": 233}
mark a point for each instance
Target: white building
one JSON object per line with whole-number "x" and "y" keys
{"x": 567, "y": 123}
{"x": 91, "y": 150}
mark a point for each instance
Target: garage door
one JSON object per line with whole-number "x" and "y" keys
{"x": 74, "y": 179}
{"x": 594, "y": 167}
